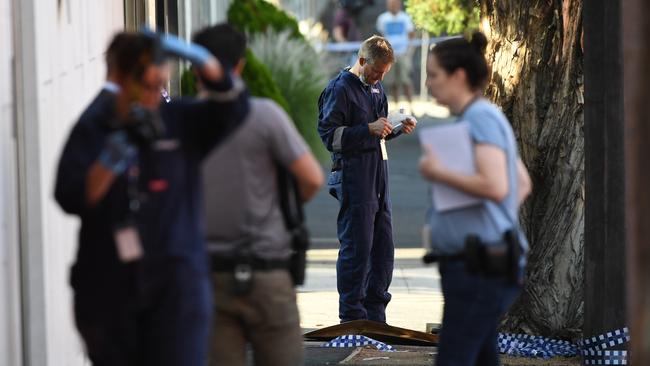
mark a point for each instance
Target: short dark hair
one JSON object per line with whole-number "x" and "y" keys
{"x": 130, "y": 54}
{"x": 224, "y": 41}
{"x": 461, "y": 53}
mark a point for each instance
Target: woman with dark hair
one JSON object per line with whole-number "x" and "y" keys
{"x": 457, "y": 72}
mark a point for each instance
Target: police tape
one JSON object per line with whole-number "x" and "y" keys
{"x": 594, "y": 350}
{"x": 354, "y": 340}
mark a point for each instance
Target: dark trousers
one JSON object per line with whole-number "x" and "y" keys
{"x": 364, "y": 268}
{"x": 164, "y": 320}
{"x": 473, "y": 307}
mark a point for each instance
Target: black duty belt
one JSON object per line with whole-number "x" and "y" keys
{"x": 219, "y": 264}
{"x": 441, "y": 258}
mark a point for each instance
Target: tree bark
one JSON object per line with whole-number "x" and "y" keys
{"x": 535, "y": 51}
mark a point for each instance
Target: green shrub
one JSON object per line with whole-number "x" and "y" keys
{"x": 260, "y": 82}
{"x": 259, "y": 16}
{"x": 188, "y": 83}
{"x": 297, "y": 69}
{"x": 440, "y": 17}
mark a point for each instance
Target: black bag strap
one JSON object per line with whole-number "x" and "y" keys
{"x": 290, "y": 202}
{"x": 294, "y": 220}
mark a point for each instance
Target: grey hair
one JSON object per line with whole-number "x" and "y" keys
{"x": 377, "y": 48}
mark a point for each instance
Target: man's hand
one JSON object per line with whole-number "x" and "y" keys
{"x": 408, "y": 125}
{"x": 380, "y": 128}
{"x": 118, "y": 152}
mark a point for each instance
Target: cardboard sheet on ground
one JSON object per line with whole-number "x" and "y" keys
{"x": 452, "y": 145}
{"x": 379, "y": 331}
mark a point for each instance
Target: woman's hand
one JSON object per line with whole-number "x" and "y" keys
{"x": 429, "y": 165}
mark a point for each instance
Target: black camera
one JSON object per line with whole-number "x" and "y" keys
{"x": 298, "y": 260}
{"x": 143, "y": 126}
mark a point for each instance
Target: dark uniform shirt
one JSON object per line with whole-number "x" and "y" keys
{"x": 169, "y": 220}
{"x": 346, "y": 108}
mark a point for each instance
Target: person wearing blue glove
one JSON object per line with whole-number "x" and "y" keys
{"x": 130, "y": 170}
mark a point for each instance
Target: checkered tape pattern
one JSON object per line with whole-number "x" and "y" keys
{"x": 354, "y": 340}
{"x": 606, "y": 340}
{"x": 593, "y": 350}
{"x": 526, "y": 345}
{"x": 605, "y": 357}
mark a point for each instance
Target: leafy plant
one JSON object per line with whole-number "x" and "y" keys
{"x": 188, "y": 83}
{"x": 440, "y": 17}
{"x": 259, "y": 16}
{"x": 300, "y": 76}
{"x": 260, "y": 81}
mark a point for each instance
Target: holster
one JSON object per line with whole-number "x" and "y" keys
{"x": 500, "y": 259}
{"x": 242, "y": 273}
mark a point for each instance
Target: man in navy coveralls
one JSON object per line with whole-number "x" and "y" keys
{"x": 142, "y": 293}
{"x": 353, "y": 126}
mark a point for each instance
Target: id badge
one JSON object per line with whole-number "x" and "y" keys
{"x": 384, "y": 152}
{"x": 128, "y": 244}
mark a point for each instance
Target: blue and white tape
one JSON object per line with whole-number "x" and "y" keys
{"x": 594, "y": 350}
{"x": 535, "y": 346}
{"x": 353, "y": 340}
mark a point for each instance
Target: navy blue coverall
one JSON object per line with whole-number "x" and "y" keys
{"x": 156, "y": 310}
{"x": 359, "y": 180}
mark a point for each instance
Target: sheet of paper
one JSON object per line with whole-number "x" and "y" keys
{"x": 453, "y": 146}
{"x": 396, "y": 118}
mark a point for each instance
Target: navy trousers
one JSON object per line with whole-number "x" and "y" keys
{"x": 473, "y": 307}
{"x": 163, "y": 320}
{"x": 364, "y": 268}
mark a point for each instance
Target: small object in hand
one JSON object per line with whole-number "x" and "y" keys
{"x": 398, "y": 119}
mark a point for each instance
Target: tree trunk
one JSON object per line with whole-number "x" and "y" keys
{"x": 537, "y": 78}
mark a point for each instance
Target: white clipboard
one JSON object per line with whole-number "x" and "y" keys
{"x": 452, "y": 145}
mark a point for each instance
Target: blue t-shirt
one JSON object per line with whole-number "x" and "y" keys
{"x": 396, "y": 28}
{"x": 488, "y": 219}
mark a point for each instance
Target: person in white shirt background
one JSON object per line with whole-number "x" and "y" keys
{"x": 396, "y": 26}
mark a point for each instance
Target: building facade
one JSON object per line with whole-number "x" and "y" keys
{"x": 51, "y": 66}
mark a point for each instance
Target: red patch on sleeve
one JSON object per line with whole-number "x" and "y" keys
{"x": 158, "y": 185}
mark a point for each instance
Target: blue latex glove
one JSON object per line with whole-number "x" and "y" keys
{"x": 119, "y": 153}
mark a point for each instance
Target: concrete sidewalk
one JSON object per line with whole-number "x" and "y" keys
{"x": 417, "y": 297}
{"x": 417, "y": 300}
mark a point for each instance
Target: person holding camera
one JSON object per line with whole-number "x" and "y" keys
{"x": 478, "y": 282}
{"x": 130, "y": 170}
{"x": 248, "y": 239}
